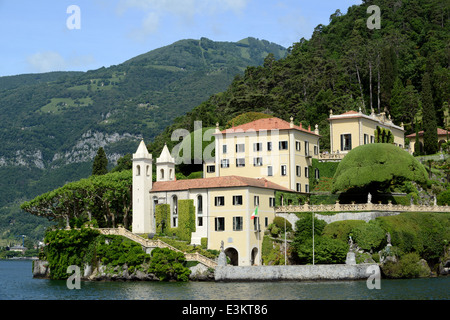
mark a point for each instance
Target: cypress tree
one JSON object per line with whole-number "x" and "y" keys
{"x": 100, "y": 163}
{"x": 430, "y": 138}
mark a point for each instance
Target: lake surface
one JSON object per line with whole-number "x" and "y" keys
{"x": 17, "y": 283}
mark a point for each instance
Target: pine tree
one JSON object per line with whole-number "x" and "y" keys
{"x": 100, "y": 163}
{"x": 429, "y": 121}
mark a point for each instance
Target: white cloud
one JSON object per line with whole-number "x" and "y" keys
{"x": 48, "y": 61}
{"x": 182, "y": 10}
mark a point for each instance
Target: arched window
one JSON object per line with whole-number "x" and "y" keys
{"x": 199, "y": 210}
{"x": 170, "y": 174}
{"x": 174, "y": 211}
{"x": 148, "y": 172}
{"x": 138, "y": 170}
{"x": 161, "y": 174}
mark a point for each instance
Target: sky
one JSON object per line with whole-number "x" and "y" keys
{"x": 80, "y": 35}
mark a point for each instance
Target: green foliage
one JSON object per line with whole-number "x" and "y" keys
{"x": 408, "y": 267}
{"x": 116, "y": 250}
{"x": 430, "y": 137}
{"x": 246, "y": 118}
{"x": 326, "y": 170}
{"x": 67, "y": 247}
{"x": 186, "y": 220}
{"x": 280, "y": 222}
{"x": 304, "y": 227}
{"x": 423, "y": 233}
{"x": 341, "y": 229}
{"x": 326, "y": 251}
{"x": 369, "y": 236}
{"x": 167, "y": 264}
{"x": 443, "y": 198}
{"x": 383, "y": 135}
{"x": 377, "y": 166}
{"x": 204, "y": 243}
{"x": 271, "y": 253}
{"x": 289, "y": 198}
{"x": 106, "y": 198}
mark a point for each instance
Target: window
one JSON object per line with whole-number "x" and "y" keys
{"x": 298, "y": 170}
{"x": 316, "y": 150}
{"x": 266, "y": 221}
{"x": 161, "y": 174}
{"x": 307, "y": 148}
{"x": 174, "y": 211}
{"x": 211, "y": 169}
{"x": 256, "y": 200}
{"x": 307, "y": 188}
{"x": 240, "y": 147}
{"x": 269, "y": 171}
{"x": 199, "y": 205}
{"x": 256, "y": 224}
{"x": 240, "y": 162}
{"x": 257, "y": 146}
{"x": 283, "y": 170}
{"x": 219, "y": 201}
{"x": 283, "y": 145}
{"x": 225, "y": 163}
{"x": 346, "y": 142}
{"x": 298, "y": 145}
{"x": 257, "y": 162}
{"x": 237, "y": 223}
{"x": 366, "y": 138}
{"x": 306, "y": 172}
{"x": 372, "y": 139}
{"x": 316, "y": 173}
{"x": 219, "y": 224}
{"x": 299, "y": 187}
{"x": 138, "y": 170}
{"x": 200, "y": 221}
{"x": 271, "y": 202}
{"x": 224, "y": 148}
{"x": 269, "y": 146}
{"x": 237, "y": 200}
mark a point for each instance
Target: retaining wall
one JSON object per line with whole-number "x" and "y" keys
{"x": 298, "y": 273}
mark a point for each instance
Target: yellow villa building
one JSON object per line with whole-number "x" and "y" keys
{"x": 352, "y": 129}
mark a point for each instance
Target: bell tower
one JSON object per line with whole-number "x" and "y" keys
{"x": 165, "y": 166}
{"x": 142, "y": 185}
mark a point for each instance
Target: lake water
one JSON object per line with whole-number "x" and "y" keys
{"x": 17, "y": 283}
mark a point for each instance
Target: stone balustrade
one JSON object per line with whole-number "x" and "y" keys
{"x": 147, "y": 243}
{"x": 337, "y": 207}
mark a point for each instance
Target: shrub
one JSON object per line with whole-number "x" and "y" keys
{"x": 341, "y": 229}
{"x": 280, "y": 221}
{"x": 443, "y": 198}
{"x": 369, "y": 236}
{"x": 409, "y": 266}
{"x": 326, "y": 251}
{"x": 167, "y": 265}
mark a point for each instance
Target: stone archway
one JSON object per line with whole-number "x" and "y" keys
{"x": 233, "y": 255}
{"x": 254, "y": 256}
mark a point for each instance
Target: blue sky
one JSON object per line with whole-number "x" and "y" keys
{"x": 35, "y": 36}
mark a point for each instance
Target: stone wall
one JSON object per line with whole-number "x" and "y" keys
{"x": 297, "y": 272}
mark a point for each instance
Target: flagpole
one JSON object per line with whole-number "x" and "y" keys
{"x": 285, "y": 245}
{"x": 313, "y": 231}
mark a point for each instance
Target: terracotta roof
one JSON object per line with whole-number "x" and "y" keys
{"x": 349, "y": 112}
{"x": 215, "y": 182}
{"x": 440, "y": 132}
{"x": 266, "y": 124}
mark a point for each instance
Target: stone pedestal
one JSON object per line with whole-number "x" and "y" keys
{"x": 222, "y": 260}
{"x": 350, "y": 258}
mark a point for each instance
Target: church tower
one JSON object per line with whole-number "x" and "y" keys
{"x": 142, "y": 185}
{"x": 165, "y": 166}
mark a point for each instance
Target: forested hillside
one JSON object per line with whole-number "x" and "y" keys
{"x": 346, "y": 66}
{"x": 52, "y": 124}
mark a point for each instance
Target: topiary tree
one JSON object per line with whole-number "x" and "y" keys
{"x": 100, "y": 166}
{"x": 377, "y": 166}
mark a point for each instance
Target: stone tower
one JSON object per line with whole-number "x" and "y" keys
{"x": 142, "y": 185}
{"x": 165, "y": 166}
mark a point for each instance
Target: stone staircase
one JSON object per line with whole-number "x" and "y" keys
{"x": 147, "y": 243}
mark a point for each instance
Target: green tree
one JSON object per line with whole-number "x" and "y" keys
{"x": 430, "y": 139}
{"x": 100, "y": 166}
{"x": 377, "y": 166}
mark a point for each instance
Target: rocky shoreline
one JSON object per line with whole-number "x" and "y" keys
{"x": 41, "y": 270}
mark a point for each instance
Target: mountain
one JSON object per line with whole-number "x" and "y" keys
{"x": 345, "y": 66}
{"x": 52, "y": 124}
